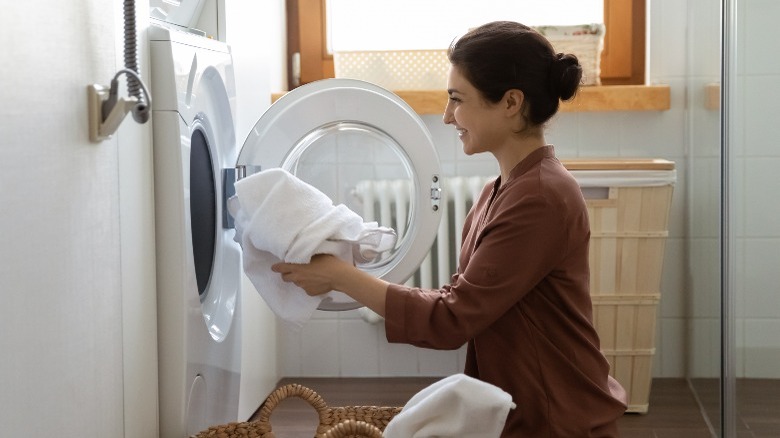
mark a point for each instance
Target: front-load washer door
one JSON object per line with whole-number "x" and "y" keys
{"x": 364, "y": 147}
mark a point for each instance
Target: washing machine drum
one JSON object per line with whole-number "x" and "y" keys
{"x": 365, "y": 148}
{"x": 203, "y": 209}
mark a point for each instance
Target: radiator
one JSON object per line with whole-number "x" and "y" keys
{"x": 387, "y": 202}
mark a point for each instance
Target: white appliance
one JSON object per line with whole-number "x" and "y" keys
{"x": 342, "y": 134}
{"x": 198, "y": 263}
{"x": 337, "y": 135}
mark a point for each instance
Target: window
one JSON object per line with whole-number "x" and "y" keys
{"x": 622, "y": 62}
{"x": 431, "y": 24}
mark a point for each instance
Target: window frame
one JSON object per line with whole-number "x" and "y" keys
{"x": 622, "y": 60}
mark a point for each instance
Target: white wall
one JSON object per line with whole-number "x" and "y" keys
{"x": 77, "y": 267}
{"x": 137, "y": 253}
{"x": 60, "y": 264}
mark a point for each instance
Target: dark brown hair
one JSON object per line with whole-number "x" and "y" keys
{"x": 504, "y": 55}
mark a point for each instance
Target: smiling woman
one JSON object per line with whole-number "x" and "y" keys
{"x": 310, "y": 55}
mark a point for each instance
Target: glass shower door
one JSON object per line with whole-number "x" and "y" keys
{"x": 752, "y": 250}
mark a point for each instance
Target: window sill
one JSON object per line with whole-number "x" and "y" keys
{"x": 592, "y": 98}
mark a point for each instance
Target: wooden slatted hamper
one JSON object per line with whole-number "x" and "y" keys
{"x": 628, "y": 207}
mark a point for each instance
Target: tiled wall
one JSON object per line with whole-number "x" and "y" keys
{"x": 756, "y": 187}
{"x": 343, "y": 344}
{"x": 700, "y": 304}
{"x": 684, "y": 53}
{"x": 755, "y": 153}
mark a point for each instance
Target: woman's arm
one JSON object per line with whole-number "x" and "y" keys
{"x": 326, "y": 273}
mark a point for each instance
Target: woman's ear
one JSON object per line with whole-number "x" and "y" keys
{"x": 513, "y": 101}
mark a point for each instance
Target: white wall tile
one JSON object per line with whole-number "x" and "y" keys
{"x": 739, "y": 116}
{"x": 678, "y": 215}
{"x": 738, "y": 198}
{"x": 483, "y": 165}
{"x": 320, "y": 349}
{"x": 703, "y": 38}
{"x": 672, "y": 336}
{"x": 703, "y": 206}
{"x": 358, "y": 348}
{"x": 438, "y": 362}
{"x": 397, "y": 359}
{"x": 761, "y": 290}
{"x": 739, "y": 351}
{"x": 760, "y": 191}
{"x": 762, "y": 132}
{"x": 761, "y": 37}
{"x": 562, "y": 133}
{"x": 738, "y": 273}
{"x": 673, "y": 297}
{"x": 445, "y": 137}
{"x": 600, "y": 134}
{"x": 704, "y": 347}
{"x": 655, "y": 133}
{"x": 289, "y": 352}
{"x": 704, "y": 129}
{"x": 668, "y": 26}
{"x": 704, "y": 259}
{"x": 762, "y": 348}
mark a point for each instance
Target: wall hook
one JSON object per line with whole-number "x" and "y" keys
{"x": 107, "y": 110}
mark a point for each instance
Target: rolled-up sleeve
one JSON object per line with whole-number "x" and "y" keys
{"x": 504, "y": 260}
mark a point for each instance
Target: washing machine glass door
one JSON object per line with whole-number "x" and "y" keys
{"x": 364, "y": 147}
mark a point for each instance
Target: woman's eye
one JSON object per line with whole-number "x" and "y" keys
{"x": 454, "y": 99}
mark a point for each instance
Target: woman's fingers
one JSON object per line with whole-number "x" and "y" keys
{"x": 312, "y": 277}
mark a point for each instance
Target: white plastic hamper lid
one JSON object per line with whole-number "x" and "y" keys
{"x": 622, "y": 172}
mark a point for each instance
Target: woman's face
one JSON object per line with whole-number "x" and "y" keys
{"x": 477, "y": 121}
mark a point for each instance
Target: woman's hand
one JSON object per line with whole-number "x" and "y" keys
{"x": 316, "y": 278}
{"x": 326, "y": 273}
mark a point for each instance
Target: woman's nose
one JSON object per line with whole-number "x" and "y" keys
{"x": 447, "y": 118}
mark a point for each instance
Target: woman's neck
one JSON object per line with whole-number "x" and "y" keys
{"x": 515, "y": 152}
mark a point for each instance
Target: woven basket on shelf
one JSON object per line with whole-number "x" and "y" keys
{"x": 336, "y": 422}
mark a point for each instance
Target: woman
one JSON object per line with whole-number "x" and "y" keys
{"x": 520, "y": 297}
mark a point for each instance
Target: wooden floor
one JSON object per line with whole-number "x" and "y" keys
{"x": 675, "y": 410}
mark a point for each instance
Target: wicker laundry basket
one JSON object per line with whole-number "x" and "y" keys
{"x": 335, "y": 422}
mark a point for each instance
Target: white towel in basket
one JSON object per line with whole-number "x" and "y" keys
{"x": 456, "y": 406}
{"x": 280, "y": 217}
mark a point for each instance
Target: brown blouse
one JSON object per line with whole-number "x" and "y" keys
{"x": 521, "y": 300}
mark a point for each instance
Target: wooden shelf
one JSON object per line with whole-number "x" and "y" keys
{"x": 592, "y": 98}
{"x": 617, "y": 164}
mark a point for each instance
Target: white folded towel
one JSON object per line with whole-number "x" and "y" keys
{"x": 280, "y": 217}
{"x": 456, "y": 406}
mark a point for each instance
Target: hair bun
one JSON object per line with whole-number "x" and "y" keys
{"x": 565, "y": 75}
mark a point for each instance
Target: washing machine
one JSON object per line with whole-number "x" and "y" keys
{"x": 198, "y": 263}
{"x": 343, "y": 136}
{"x": 363, "y": 146}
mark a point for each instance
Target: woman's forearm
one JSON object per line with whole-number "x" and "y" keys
{"x": 363, "y": 288}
